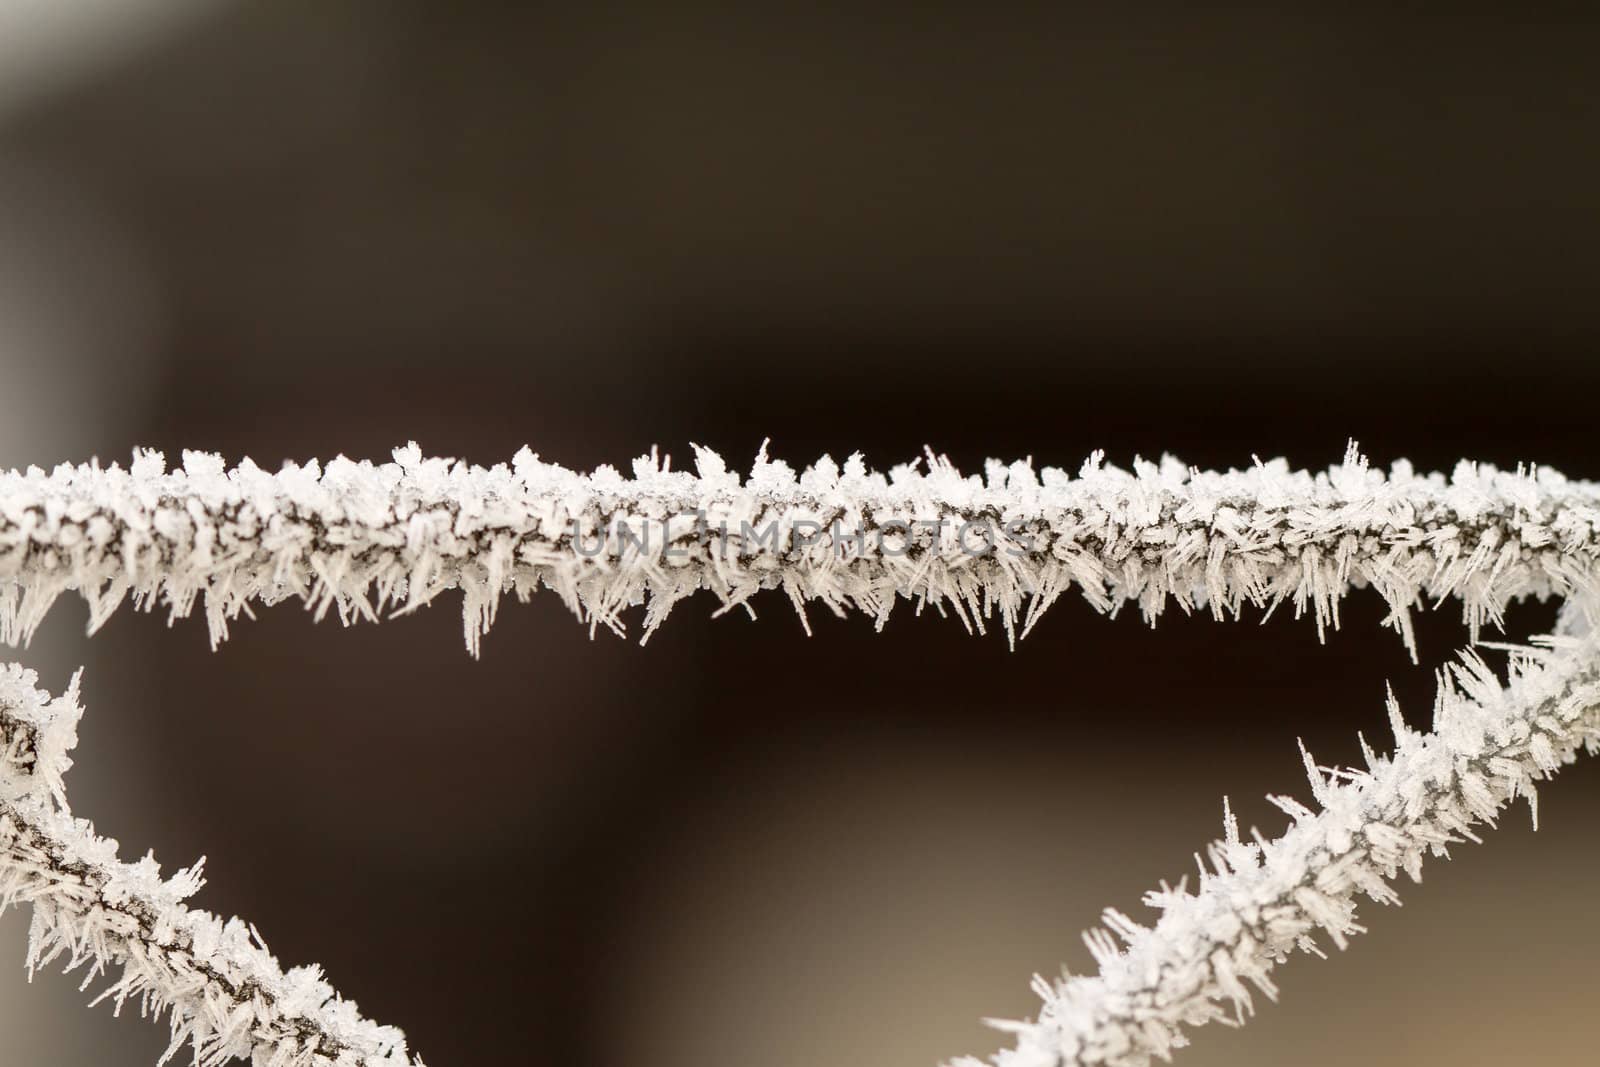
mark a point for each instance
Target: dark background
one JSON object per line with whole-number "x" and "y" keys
{"x": 299, "y": 229}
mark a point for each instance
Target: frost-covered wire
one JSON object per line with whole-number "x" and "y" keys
{"x": 365, "y": 539}
{"x": 1261, "y": 900}
{"x": 224, "y": 993}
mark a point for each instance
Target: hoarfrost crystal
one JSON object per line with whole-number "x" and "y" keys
{"x": 1261, "y": 900}
{"x": 224, "y": 993}
{"x": 364, "y": 540}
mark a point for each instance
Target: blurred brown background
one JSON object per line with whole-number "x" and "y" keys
{"x": 297, "y": 229}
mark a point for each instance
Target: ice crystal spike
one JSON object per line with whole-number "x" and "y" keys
{"x": 363, "y": 540}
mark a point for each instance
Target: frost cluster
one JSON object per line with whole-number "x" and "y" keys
{"x": 1260, "y": 900}
{"x": 365, "y": 540}
{"x": 225, "y": 995}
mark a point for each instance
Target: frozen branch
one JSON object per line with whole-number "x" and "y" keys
{"x": 1262, "y": 899}
{"x": 365, "y": 540}
{"x": 225, "y": 994}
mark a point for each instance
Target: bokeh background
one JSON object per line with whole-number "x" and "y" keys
{"x": 297, "y": 229}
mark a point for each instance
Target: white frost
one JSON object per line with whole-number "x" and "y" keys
{"x": 1261, "y": 900}
{"x": 365, "y": 539}
{"x": 224, "y": 993}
